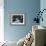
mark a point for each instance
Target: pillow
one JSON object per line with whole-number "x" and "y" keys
{"x": 28, "y": 39}
{"x": 20, "y": 42}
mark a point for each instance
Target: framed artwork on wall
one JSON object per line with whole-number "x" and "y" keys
{"x": 17, "y": 19}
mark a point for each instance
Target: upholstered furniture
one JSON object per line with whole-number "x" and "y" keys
{"x": 39, "y": 36}
{"x": 39, "y": 33}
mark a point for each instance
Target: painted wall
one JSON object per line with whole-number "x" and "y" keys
{"x": 1, "y": 21}
{"x": 43, "y": 6}
{"x": 26, "y": 7}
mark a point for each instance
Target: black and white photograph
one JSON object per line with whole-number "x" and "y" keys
{"x": 17, "y": 19}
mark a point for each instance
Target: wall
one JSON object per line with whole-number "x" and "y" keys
{"x": 26, "y": 7}
{"x": 43, "y": 6}
{"x": 1, "y": 21}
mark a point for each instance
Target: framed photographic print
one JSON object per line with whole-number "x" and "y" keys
{"x": 17, "y": 19}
